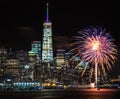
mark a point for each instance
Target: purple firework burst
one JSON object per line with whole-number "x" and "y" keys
{"x": 96, "y": 46}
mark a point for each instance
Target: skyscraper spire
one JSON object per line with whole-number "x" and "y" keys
{"x": 47, "y": 13}
{"x": 47, "y": 46}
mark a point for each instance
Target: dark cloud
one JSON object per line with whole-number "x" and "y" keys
{"x": 61, "y": 42}
{"x": 25, "y": 32}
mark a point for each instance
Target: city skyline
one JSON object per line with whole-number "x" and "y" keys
{"x": 45, "y": 34}
{"x": 22, "y": 21}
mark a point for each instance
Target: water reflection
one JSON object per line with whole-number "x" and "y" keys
{"x": 84, "y": 94}
{"x": 66, "y": 94}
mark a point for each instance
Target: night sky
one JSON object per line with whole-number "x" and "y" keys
{"x": 21, "y": 21}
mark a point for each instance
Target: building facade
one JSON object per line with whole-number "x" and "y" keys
{"x": 36, "y": 48}
{"x": 47, "y": 47}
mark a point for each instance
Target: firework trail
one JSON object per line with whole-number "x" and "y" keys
{"x": 95, "y": 46}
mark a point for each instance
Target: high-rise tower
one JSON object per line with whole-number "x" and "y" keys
{"x": 47, "y": 48}
{"x": 36, "y": 49}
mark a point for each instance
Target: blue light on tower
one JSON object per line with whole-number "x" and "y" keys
{"x": 36, "y": 49}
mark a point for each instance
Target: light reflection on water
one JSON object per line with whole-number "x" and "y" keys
{"x": 80, "y": 95}
{"x": 66, "y": 94}
{"x": 77, "y": 97}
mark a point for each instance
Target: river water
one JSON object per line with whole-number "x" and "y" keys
{"x": 64, "y": 94}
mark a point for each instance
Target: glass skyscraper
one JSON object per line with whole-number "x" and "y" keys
{"x": 36, "y": 49}
{"x": 47, "y": 47}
